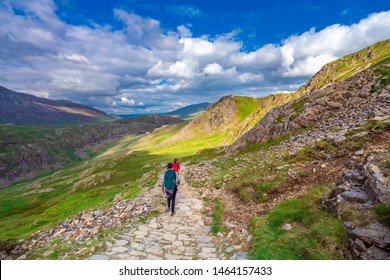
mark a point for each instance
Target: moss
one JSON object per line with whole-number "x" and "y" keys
{"x": 383, "y": 213}
{"x": 299, "y": 105}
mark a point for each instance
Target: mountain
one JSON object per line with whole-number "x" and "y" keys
{"x": 30, "y": 151}
{"x": 25, "y": 109}
{"x": 189, "y": 112}
{"x": 226, "y": 120}
{"x": 355, "y": 98}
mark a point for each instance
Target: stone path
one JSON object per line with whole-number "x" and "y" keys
{"x": 181, "y": 237}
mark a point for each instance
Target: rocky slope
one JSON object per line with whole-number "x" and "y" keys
{"x": 362, "y": 188}
{"x": 25, "y": 109}
{"x": 326, "y": 113}
{"x": 27, "y": 152}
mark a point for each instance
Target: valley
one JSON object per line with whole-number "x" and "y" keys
{"x": 261, "y": 170}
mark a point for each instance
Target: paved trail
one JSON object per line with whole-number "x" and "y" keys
{"x": 183, "y": 236}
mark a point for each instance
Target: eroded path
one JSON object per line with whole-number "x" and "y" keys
{"x": 182, "y": 236}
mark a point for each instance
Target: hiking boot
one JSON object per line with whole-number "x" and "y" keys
{"x": 167, "y": 209}
{"x": 173, "y": 213}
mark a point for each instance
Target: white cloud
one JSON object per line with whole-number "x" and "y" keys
{"x": 126, "y": 101}
{"x": 213, "y": 69}
{"x": 186, "y": 11}
{"x": 143, "y": 66}
{"x": 184, "y": 32}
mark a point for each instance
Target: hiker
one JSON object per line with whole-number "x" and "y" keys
{"x": 176, "y": 165}
{"x": 170, "y": 182}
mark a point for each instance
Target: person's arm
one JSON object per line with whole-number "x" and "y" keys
{"x": 177, "y": 178}
{"x": 163, "y": 183}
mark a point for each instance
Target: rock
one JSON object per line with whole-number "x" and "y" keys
{"x": 154, "y": 250}
{"x": 99, "y": 213}
{"x": 123, "y": 216}
{"x": 121, "y": 242}
{"x": 229, "y": 250}
{"x": 340, "y": 136}
{"x": 119, "y": 249}
{"x": 93, "y": 250}
{"x": 360, "y": 244}
{"x": 377, "y": 254}
{"x": 375, "y": 235}
{"x": 287, "y": 227}
{"x": 377, "y": 188}
{"x": 359, "y": 153}
{"x": 355, "y": 196}
{"x": 22, "y": 257}
{"x": 240, "y": 256}
{"x": 361, "y": 134}
{"x": 47, "y": 253}
{"x": 346, "y": 186}
{"x": 334, "y": 105}
{"x": 230, "y": 225}
{"x": 169, "y": 237}
{"x": 250, "y": 237}
{"x": 99, "y": 257}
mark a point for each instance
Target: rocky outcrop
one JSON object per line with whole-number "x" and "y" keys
{"x": 220, "y": 115}
{"x": 353, "y": 199}
{"x": 341, "y": 107}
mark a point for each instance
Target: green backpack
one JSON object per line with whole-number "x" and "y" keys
{"x": 170, "y": 179}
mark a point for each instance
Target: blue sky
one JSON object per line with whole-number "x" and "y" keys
{"x": 135, "y": 56}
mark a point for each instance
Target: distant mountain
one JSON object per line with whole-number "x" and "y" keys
{"x": 27, "y": 151}
{"x": 185, "y": 113}
{"x": 25, "y": 109}
{"x": 189, "y": 112}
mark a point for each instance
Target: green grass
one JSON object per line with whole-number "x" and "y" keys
{"x": 218, "y": 214}
{"x": 299, "y": 105}
{"x": 315, "y": 234}
{"x": 383, "y": 213}
{"x": 382, "y": 69}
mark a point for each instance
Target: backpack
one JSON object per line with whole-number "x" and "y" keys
{"x": 170, "y": 179}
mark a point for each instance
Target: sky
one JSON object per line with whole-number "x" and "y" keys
{"x": 130, "y": 56}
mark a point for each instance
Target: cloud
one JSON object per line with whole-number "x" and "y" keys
{"x": 142, "y": 66}
{"x": 126, "y": 101}
{"x": 186, "y": 11}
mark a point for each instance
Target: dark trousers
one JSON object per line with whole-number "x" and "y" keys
{"x": 172, "y": 199}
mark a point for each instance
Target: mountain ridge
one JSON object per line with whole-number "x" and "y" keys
{"x": 26, "y": 109}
